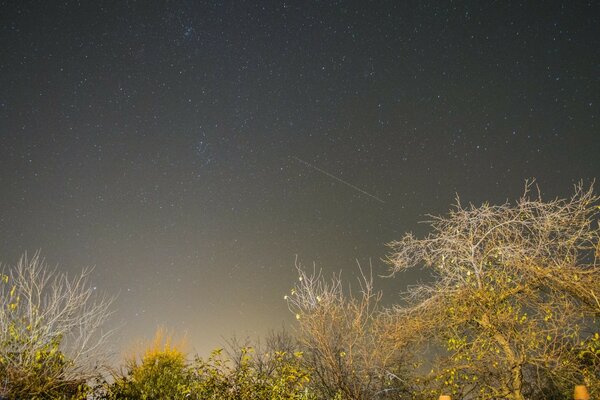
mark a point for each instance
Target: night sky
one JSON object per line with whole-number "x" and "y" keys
{"x": 190, "y": 150}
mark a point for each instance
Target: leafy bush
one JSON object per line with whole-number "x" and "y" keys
{"x": 270, "y": 376}
{"x": 41, "y": 377}
{"x": 162, "y": 372}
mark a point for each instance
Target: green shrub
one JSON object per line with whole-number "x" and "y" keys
{"x": 270, "y": 376}
{"x": 161, "y": 373}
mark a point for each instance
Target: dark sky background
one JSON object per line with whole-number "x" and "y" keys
{"x": 189, "y": 150}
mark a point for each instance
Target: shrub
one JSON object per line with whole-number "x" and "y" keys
{"x": 160, "y": 373}
{"x": 277, "y": 375}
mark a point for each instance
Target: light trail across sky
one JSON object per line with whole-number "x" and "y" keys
{"x": 338, "y": 179}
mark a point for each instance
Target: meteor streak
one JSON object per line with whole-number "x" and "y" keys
{"x": 337, "y": 179}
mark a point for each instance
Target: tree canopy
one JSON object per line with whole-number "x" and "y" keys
{"x": 514, "y": 300}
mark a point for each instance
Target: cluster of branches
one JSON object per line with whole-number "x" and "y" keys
{"x": 344, "y": 338}
{"x": 51, "y": 338}
{"x": 511, "y": 310}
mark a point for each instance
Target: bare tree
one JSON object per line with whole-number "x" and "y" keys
{"x": 514, "y": 301}
{"x": 342, "y": 336}
{"x": 51, "y": 332}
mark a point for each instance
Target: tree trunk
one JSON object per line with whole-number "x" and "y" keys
{"x": 516, "y": 370}
{"x": 517, "y": 375}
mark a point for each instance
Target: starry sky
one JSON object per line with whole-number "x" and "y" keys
{"x": 189, "y": 150}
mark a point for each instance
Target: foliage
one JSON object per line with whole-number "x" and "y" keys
{"x": 514, "y": 305}
{"x": 160, "y": 373}
{"x": 164, "y": 373}
{"x": 272, "y": 376}
{"x": 48, "y": 332}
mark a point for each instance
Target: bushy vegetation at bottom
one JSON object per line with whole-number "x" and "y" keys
{"x": 42, "y": 377}
{"x": 163, "y": 372}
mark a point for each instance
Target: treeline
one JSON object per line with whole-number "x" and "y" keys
{"x": 510, "y": 312}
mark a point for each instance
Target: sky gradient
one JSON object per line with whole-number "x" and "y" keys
{"x": 190, "y": 150}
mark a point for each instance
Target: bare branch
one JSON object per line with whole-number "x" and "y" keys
{"x": 47, "y": 317}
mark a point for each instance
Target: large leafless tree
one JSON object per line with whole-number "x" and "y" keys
{"x": 514, "y": 299}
